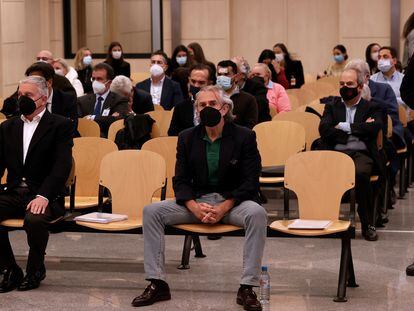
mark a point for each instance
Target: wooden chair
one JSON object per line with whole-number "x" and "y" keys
{"x": 403, "y": 155}
{"x": 139, "y": 76}
{"x": 88, "y": 128}
{"x": 88, "y": 153}
{"x": 272, "y": 111}
{"x": 2, "y": 116}
{"x": 132, "y": 177}
{"x": 319, "y": 179}
{"x": 306, "y": 96}
{"x": 309, "y": 78}
{"x": 332, "y": 80}
{"x": 162, "y": 120}
{"x": 321, "y": 89}
{"x": 114, "y": 128}
{"x": 294, "y": 101}
{"x": 158, "y": 108}
{"x": 309, "y": 121}
{"x": 317, "y": 106}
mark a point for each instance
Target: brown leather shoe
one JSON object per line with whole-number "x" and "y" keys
{"x": 247, "y": 298}
{"x": 154, "y": 292}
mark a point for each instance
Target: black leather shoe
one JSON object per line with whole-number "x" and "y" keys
{"x": 10, "y": 279}
{"x": 247, "y": 298}
{"x": 410, "y": 270}
{"x": 32, "y": 281}
{"x": 154, "y": 292}
{"x": 370, "y": 234}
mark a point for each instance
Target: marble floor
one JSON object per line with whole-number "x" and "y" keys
{"x": 88, "y": 271}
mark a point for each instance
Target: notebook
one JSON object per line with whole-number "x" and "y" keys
{"x": 309, "y": 224}
{"x": 102, "y": 218}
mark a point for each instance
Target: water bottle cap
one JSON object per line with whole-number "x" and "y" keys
{"x": 264, "y": 268}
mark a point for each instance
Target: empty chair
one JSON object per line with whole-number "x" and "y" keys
{"x": 321, "y": 89}
{"x": 88, "y": 128}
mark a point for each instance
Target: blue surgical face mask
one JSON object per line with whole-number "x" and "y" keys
{"x": 339, "y": 58}
{"x": 224, "y": 82}
{"x": 181, "y": 60}
{"x": 384, "y": 65}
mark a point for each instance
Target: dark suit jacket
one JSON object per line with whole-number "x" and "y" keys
{"x": 407, "y": 85}
{"x": 142, "y": 101}
{"x": 84, "y": 76}
{"x": 120, "y": 68}
{"x": 367, "y": 132}
{"x": 239, "y": 165}
{"x": 171, "y": 92}
{"x": 294, "y": 68}
{"x": 49, "y": 158}
{"x": 245, "y": 109}
{"x": 63, "y": 84}
{"x": 257, "y": 88}
{"x": 65, "y": 105}
{"x": 182, "y": 118}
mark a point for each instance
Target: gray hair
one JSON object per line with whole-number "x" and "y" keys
{"x": 264, "y": 67}
{"x": 359, "y": 65}
{"x": 63, "y": 63}
{"x": 360, "y": 75}
{"x": 121, "y": 85}
{"x": 242, "y": 64}
{"x": 222, "y": 98}
{"x": 40, "y": 83}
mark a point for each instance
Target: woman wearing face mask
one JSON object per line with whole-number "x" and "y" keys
{"x": 278, "y": 73}
{"x": 293, "y": 68}
{"x": 63, "y": 69}
{"x": 371, "y": 57}
{"x": 83, "y": 66}
{"x": 181, "y": 62}
{"x": 115, "y": 59}
{"x": 340, "y": 58}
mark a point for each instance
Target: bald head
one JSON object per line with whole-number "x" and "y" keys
{"x": 45, "y": 56}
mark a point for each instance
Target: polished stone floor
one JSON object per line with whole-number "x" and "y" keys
{"x": 105, "y": 271}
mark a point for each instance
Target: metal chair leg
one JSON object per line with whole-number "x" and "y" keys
{"x": 345, "y": 247}
{"x": 409, "y": 170}
{"x": 351, "y": 272}
{"x": 185, "y": 259}
{"x": 197, "y": 247}
{"x": 402, "y": 178}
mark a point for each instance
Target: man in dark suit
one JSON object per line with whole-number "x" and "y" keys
{"x": 184, "y": 115}
{"x": 164, "y": 91}
{"x": 103, "y": 105}
{"x": 216, "y": 180}
{"x": 36, "y": 150}
{"x": 351, "y": 125}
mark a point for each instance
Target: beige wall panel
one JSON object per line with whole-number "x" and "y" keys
{"x": 256, "y": 26}
{"x": 407, "y": 8}
{"x": 367, "y": 18}
{"x": 215, "y": 50}
{"x": 94, "y": 26}
{"x": 13, "y": 66}
{"x": 136, "y": 42}
{"x": 356, "y": 46}
{"x": 166, "y": 24}
{"x": 12, "y": 19}
{"x": 96, "y": 44}
{"x": 56, "y": 21}
{"x": 312, "y": 29}
{"x": 134, "y": 16}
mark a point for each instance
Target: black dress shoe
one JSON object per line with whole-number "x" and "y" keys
{"x": 247, "y": 298}
{"x": 370, "y": 234}
{"x": 32, "y": 281}
{"x": 156, "y": 291}
{"x": 410, "y": 270}
{"x": 10, "y": 279}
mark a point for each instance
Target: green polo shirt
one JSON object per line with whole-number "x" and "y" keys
{"x": 213, "y": 158}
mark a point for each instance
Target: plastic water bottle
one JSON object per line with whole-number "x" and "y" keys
{"x": 264, "y": 292}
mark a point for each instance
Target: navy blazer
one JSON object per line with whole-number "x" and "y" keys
{"x": 239, "y": 165}
{"x": 383, "y": 94}
{"x": 407, "y": 85}
{"x": 171, "y": 93}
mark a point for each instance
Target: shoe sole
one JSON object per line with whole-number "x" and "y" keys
{"x": 240, "y": 302}
{"x": 158, "y": 299}
{"x": 24, "y": 289}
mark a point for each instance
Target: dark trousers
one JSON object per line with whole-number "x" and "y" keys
{"x": 13, "y": 205}
{"x": 363, "y": 169}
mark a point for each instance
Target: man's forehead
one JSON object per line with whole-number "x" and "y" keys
{"x": 27, "y": 87}
{"x": 207, "y": 96}
{"x": 223, "y": 70}
{"x": 158, "y": 57}
{"x": 199, "y": 74}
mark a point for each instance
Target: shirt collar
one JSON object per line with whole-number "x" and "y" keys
{"x": 104, "y": 95}
{"x": 49, "y": 100}
{"x": 36, "y": 118}
{"x": 159, "y": 83}
{"x": 353, "y": 106}
{"x": 270, "y": 84}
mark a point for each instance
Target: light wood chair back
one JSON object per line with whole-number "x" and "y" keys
{"x": 317, "y": 106}
{"x": 88, "y": 153}
{"x": 402, "y": 114}
{"x": 332, "y": 80}
{"x": 272, "y": 111}
{"x": 166, "y": 147}
{"x": 309, "y": 121}
{"x": 294, "y": 101}
{"x": 321, "y": 89}
{"x": 278, "y": 140}
{"x": 114, "y": 128}
{"x": 4, "y": 177}
{"x": 132, "y": 177}
{"x": 309, "y": 78}
{"x": 2, "y": 116}
{"x": 158, "y": 108}
{"x": 139, "y": 76}
{"x": 162, "y": 120}
{"x": 389, "y": 127}
{"x": 306, "y": 96}
{"x": 88, "y": 128}
{"x": 319, "y": 179}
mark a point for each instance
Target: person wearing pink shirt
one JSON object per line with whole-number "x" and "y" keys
{"x": 276, "y": 94}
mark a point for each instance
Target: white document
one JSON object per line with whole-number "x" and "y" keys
{"x": 102, "y": 218}
{"x": 105, "y": 113}
{"x": 309, "y": 224}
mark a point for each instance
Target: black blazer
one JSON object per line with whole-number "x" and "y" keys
{"x": 65, "y": 105}
{"x": 115, "y": 102}
{"x": 407, "y": 85}
{"x": 245, "y": 109}
{"x": 294, "y": 68}
{"x": 257, "y": 88}
{"x": 49, "y": 158}
{"x": 367, "y": 132}
{"x": 141, "y": 101}
{"x": 63, "y": 84}
{"x": 239, "y": 165}
{"x": 84, "y": 76}
{"x": 120, "y": 67}
{"x": 182, "y": 118}
{"x": 170, "y": 95}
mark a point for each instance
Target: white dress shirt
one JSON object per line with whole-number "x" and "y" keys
{"x": 156, "y": 91}
{"x": 49, "y": 102}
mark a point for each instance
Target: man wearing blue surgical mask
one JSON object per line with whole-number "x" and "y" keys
{"x": 245, "y": 106}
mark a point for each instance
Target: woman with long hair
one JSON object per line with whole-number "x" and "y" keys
{"x": 293, "y": 68}
{"x": 83, "y": 66}
{"x": 115, "y": 58}
{"x": 278, "y": 73}
{"x": 197, "y": 53}
{"x": 371, "y": 57}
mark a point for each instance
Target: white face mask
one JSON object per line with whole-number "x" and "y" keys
{"x": 384, "y": 65}
{"x": 98, "y": 87}
{"x": 87, "y": 60}
{"x": 181, "y": 60}
{"x": 279, "y": 57}
{"x": 156, "y": 70}
{"x": 374, "y": 56}
{"x": 59, "y": 72}
{"x": 116, "y": 54}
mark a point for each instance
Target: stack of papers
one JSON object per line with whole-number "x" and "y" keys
{"x": 300, "y": 224}
{"x": 102, "y": 218}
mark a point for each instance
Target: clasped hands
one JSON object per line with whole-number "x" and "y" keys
{"x": 210, "y": 214}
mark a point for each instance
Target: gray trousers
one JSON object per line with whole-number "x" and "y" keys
{"x": 249, "y": 215}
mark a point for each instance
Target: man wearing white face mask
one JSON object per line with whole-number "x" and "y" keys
{"x": 164, "y": 91}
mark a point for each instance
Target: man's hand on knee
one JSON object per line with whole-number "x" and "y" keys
{"x": 38, "y": 205}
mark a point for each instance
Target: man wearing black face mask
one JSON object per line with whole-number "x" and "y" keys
{"x": 184, "y": 115}
{"x": 216, "y": 181}
{"x": 36, "y": 150}
{"x": 351, "y": 125}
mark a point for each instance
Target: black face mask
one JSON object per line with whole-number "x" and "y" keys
{"x": 258, "y": 80}
{"x": 210, "y": 116}
{"x": 194, "y": 90}
{"x": 348, "y": 93}
{"x": 26, "y": 105}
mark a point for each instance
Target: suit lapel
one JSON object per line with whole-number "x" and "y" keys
{"x": 341, "y": 112}
{"x": 360, "y": 111}
{"x": 91, "y": 104}
{"x": 107, "y": 102}
{"x": 18, "y": 133}
{"x": 164, "y": 93}
{"x": 226, "y": 150}
{"x": 44, "y": 125}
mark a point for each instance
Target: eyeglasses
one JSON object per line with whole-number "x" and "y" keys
{"x": 44, "y": 58}
{"x": 212, "y": 103}
{"x": 99, "y": 80}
